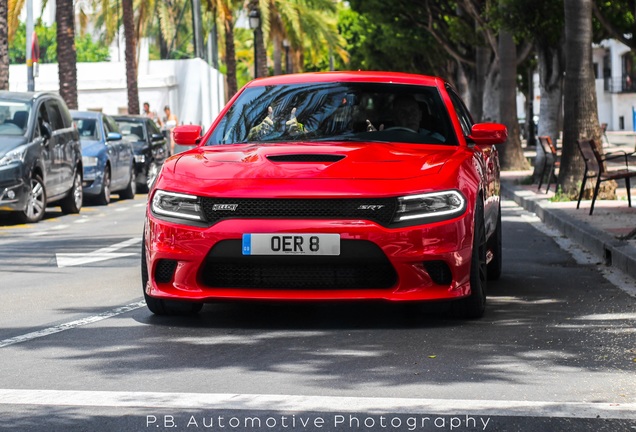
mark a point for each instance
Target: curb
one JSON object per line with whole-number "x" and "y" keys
{"x": 611, "y": 251}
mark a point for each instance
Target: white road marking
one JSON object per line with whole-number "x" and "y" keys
{"x": 47, "y": 231}
{"x": 71, "y": 325}
{"x": 121, "y": 209}
{"x": 335, "y": 404}
{"x": 103, "y": 254}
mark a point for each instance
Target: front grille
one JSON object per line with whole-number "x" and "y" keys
{"x": 360, "y": 265}
{"x": 379, "y": 210}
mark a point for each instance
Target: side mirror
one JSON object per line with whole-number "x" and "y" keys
{"x": 488, "y": 133}
{"x": 156, "y": 137}
{"x": 187, "y": 135}
{"x": 113, "y": 136}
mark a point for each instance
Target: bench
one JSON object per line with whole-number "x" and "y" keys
{"x": 595, "y": 168}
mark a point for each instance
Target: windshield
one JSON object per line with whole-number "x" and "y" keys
{"x": 131, "y": 131}
{"x": 336, "y": 111}
{"x": 88, "y": 129}
{"x": 14, "y": 117}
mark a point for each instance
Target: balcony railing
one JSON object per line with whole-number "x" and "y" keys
{"x": 626, "y": 84}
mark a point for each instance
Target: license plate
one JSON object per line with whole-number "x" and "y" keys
{"x": 291, "y": 244}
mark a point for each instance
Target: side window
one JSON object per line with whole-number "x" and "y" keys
{"x": 152, "y": 128}
{"x": 110, "y": 125}
{"x": 43, "y": 117}
{"x": 465, "y": 119}
{"x": 55, "y": 116}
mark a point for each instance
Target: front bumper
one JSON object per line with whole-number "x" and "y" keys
{"x": 14, "y": 190}
{"x": 179, "y": 261}
{"x": 93, "y": 180}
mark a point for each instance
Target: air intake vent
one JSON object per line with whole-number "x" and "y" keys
{"x": 305, "y": 158}
{"x": 439, "y": 272}
{"x": 165, "y": 270}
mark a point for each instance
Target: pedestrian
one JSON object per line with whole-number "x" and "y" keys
{"x": 169, "y": 122}
{"x": 151, "y": 114}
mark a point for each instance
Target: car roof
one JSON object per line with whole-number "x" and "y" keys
{"x": 350, "y": 76}
{"x": 25, "y": 96}
{"x": 131, "y": 117}
{"x": 85, "y": 114}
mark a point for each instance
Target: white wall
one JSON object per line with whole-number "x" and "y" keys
{"x": 194, "y": 91}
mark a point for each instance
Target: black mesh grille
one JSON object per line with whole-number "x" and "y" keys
{"x": 378, "y": 210}
{"x": 164, "y": 270}
{"x": 360, "y": 265}
{"x": 439, "y": 272}
{"x": 306, "y": 158}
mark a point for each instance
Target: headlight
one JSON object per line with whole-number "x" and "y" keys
{"x": 177, "y": 205}
{"x": 15, "y": 155}
{"x": 435, "y": 205}
{"x": 89, "y": 161}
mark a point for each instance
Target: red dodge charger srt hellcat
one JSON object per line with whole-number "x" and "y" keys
{"x": 329, "y": 186}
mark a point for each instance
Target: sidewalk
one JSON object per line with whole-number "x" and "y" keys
{"x": 599, "y": 233}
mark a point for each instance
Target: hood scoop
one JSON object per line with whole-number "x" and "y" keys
{"x": 305, "y": 157}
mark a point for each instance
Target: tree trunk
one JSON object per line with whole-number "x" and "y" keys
{"x": 511, "y": 153}
{"x": 580, "y": 105}
{"x": 4, "y": 45}
{"x": 66, "y": 55}
{"x": 551, "y": 70}
{"x": 230, "y": 58}
{"x": 490, "y": 97}
{"x": 278, "y": 55}
{"x": 131, "y": 57}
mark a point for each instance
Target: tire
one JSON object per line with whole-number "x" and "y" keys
{"x": 36, "y": 202}
{"x": 474, "y": 306}
{"x": 131, "y": 189}
{"x": 72, "y": 203}
{"x": 159, "y": 306}
{"x": 151, "y": 175}
{"x": 104, "y": 195}
{"x": 495, "y": 246}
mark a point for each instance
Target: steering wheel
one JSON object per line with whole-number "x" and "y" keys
{"x": 400, "y": 128}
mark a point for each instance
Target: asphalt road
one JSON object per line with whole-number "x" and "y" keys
{"x": 79, "y": 351}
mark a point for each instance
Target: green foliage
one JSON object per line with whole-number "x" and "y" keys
{"x": 541, "y": 20}
{"x": 87, "y": 49}
{"x": 377, "y": 42}
{"x": 90, "y": 51}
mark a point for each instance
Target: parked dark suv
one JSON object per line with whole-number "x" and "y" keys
{"x": 40, "y": 155}
{"x": 149, "y": 145}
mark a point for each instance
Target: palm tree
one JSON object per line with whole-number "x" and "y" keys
{"x": 131, "y": 56}
{"x": 66, "y": 55}
{"x": 310, "y": 26}
{"x": 4, "y": 45}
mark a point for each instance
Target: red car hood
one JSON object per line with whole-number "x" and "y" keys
{"x": 312, "y": 161}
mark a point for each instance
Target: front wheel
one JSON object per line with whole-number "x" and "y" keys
{"x": 131, "y": 189}
{"x": 495, "y": 246}
{"x": 36, "y": 202}
{"x": 72, "y": 203}
{"x": 104, "y": 195}
{"x": 474, "y": 305}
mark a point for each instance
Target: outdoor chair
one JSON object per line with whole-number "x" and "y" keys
{"x": 595, "y": 168}
{"x": 550, "y": 162}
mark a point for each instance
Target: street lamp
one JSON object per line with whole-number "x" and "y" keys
{"x": 255, "y": 22}
{"x": 286, "y": 46}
